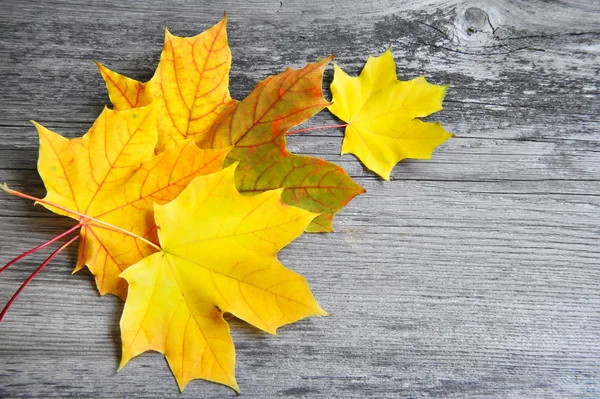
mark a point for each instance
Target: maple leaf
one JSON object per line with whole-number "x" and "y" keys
{"x": 111, "y": 175}
{"x": 256, "y": 128}
{"x": 218, "y": 255}
{"x": 381, "y": 113}
{"x": 191, "y": 85}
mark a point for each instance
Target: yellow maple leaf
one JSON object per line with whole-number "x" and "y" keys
{"x": 382, "y": 113}
{"x": 218, "y": 255}
{"x": 111, "y": 175}
{"x": 191, "y": 85}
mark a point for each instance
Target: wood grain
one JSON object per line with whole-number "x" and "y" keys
{"x": 475, "y": 274}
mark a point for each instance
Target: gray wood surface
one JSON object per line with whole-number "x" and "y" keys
{"x": 475, "y": 274}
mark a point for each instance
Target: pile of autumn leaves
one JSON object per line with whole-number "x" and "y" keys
{"x": 184, "y": 196}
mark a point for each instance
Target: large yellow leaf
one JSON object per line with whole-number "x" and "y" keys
{"x": 218, "y": 255}
{"x": 382, "y": 113}
{"x": 110, "y": 174}
{"x": 191, "y": 85}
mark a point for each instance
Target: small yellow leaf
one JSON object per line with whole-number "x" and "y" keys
{"x": 381, "y": 113}
{"x": 218, "y": 255}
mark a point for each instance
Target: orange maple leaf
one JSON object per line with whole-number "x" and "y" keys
{"x": 111, "y": 175}
{"x": 191, "y": 85}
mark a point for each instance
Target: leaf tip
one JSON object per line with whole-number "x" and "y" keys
{"x": 234, "y": 385}
{"x": 40, "y": 129}
{"x": 104, "y": 71}
{"x": 322, "y": 312}
{"x": 444, "y": 90}
{"x": 226, "y": 151}
{"x": 122, "y": 363}
{"x": 384, "y": 174}
{"x": 181, "y": 385}
{"x": 233, "y": 167}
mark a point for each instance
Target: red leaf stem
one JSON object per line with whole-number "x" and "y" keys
{"x": 316, "y": 128}
{"x": 58, "y": 237}
{"x": 35, "y": 273}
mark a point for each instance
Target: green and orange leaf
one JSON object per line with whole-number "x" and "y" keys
{"x": 110, "y": 174}
{"x": 256, "y": 127}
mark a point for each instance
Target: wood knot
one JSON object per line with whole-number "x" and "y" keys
{"x": 476, "y": 20}
{"x": 473, "y": 26}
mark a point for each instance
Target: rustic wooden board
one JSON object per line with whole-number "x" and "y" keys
{"x": 475, "y": 274}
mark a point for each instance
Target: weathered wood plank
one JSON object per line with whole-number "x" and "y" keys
{"x": 474, "y": 274}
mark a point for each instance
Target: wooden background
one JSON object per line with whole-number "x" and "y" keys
{"x": 475, "y": 274}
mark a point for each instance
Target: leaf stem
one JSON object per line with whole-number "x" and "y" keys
{"x": 58, "y": 237}
{"x": 316, "y": 128}
{"x": 16, "y": 193}
{"x": 35, "y": 273}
